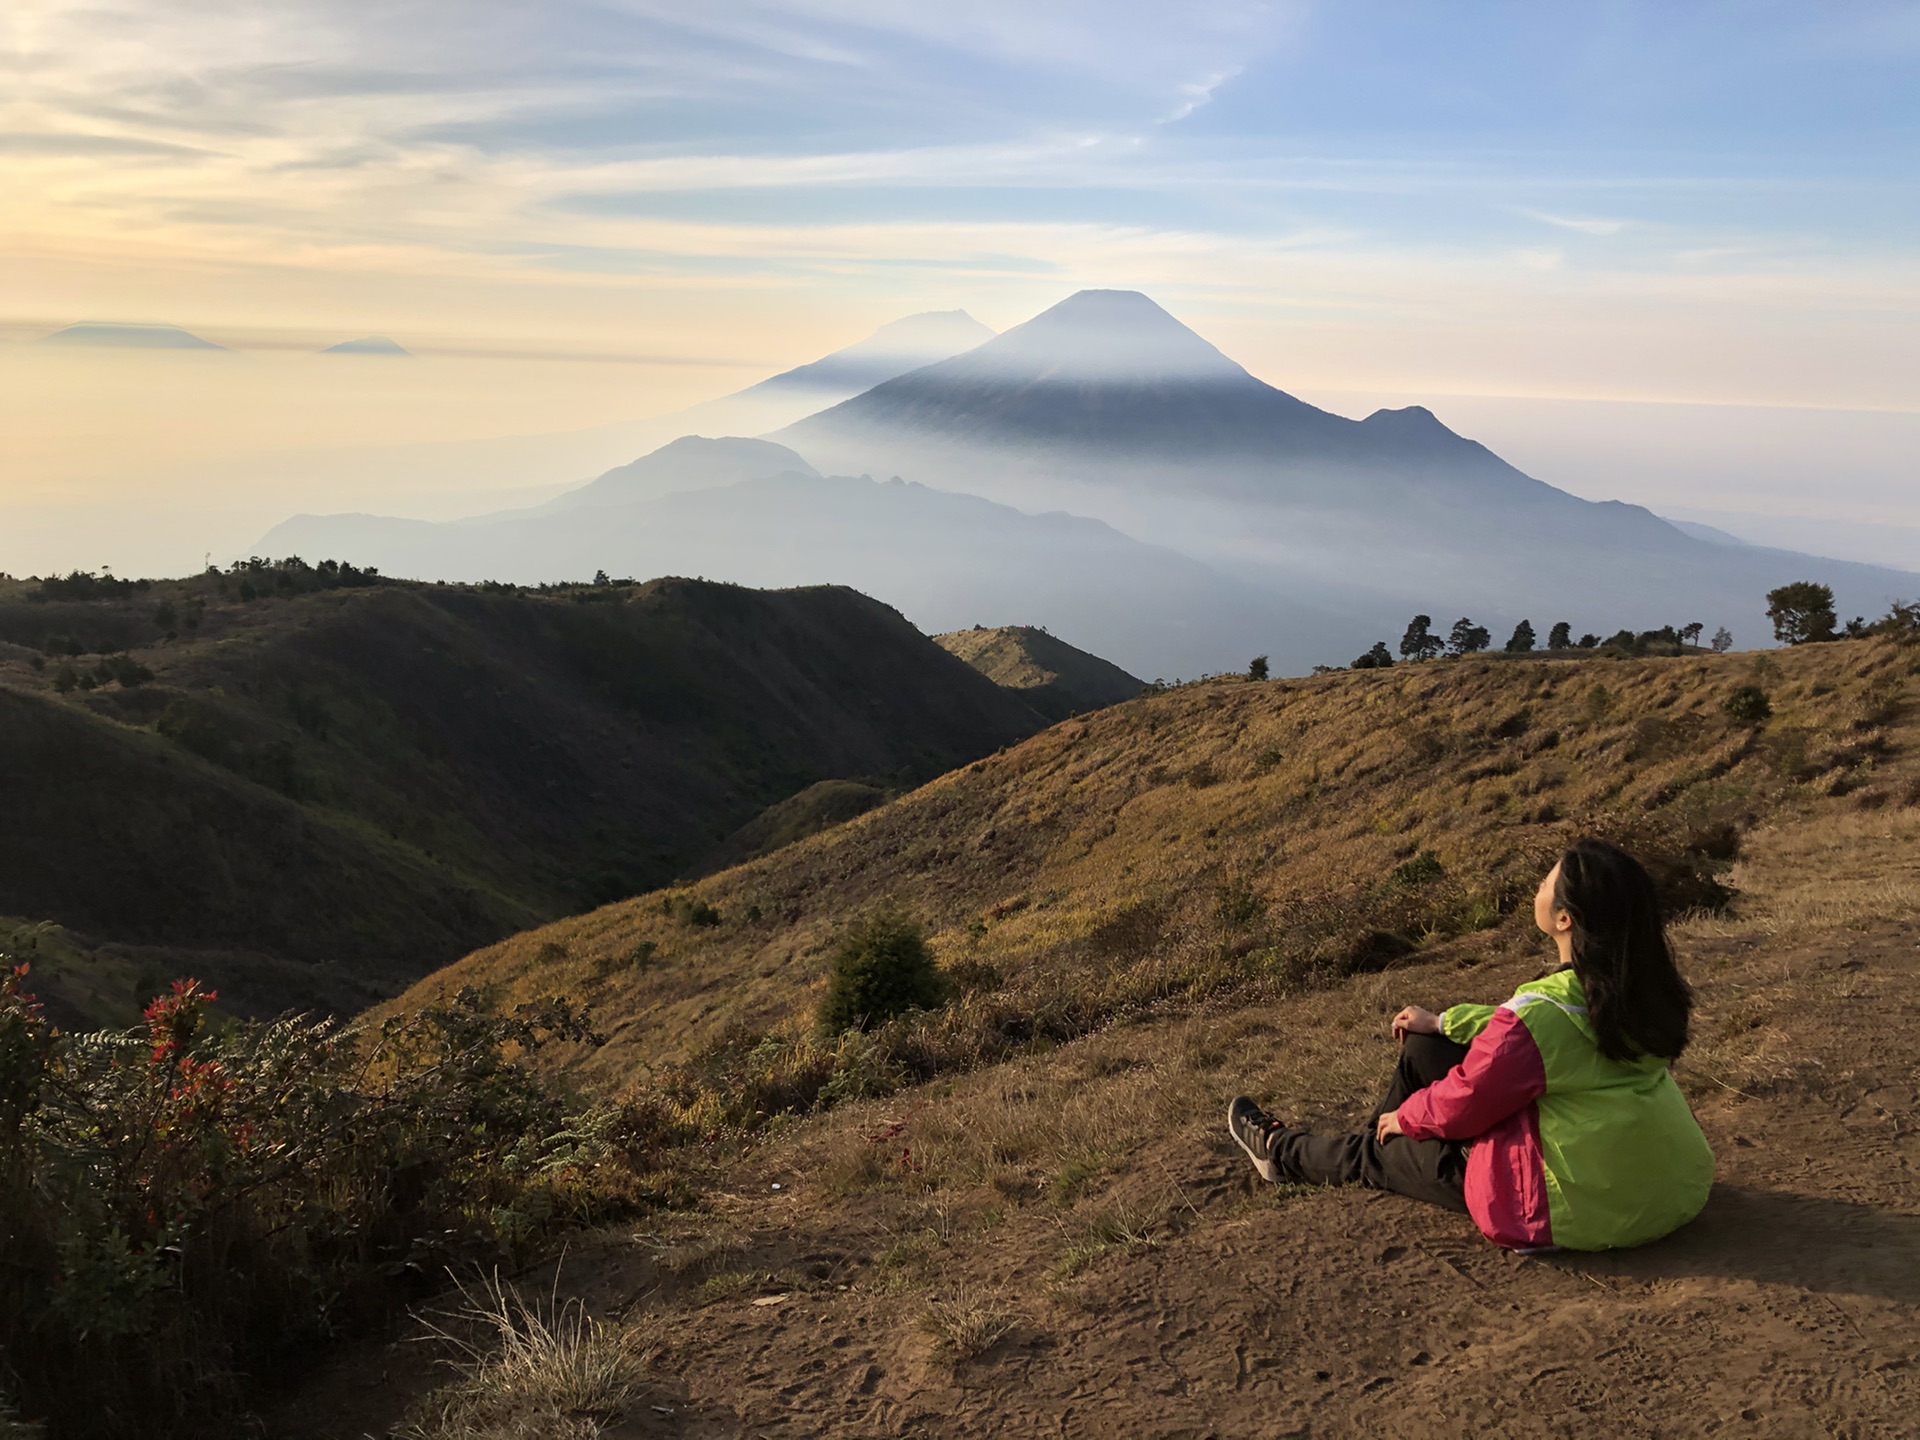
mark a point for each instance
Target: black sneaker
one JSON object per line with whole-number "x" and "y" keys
{"x": 1255, "y": 1132}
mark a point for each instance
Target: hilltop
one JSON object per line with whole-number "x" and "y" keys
{"x": 1019, "y": 1214}
{"x": 309, "y": 786}
{"x": 1051, "y": 675}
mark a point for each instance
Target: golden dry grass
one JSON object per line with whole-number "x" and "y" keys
{"x": 965, "y": 1324}
{"x": 1188, "y": 844}
{"x": 528, "y": 1371}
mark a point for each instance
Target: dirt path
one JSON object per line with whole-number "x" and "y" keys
{"x": 1200, "y": 1302}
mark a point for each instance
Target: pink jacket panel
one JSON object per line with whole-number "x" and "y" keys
{"x": 1488, "y": 1099}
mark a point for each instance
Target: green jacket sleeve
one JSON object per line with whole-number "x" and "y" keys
{"x": 1462, "y": 1024}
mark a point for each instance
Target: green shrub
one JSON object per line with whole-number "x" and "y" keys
{"x": 1748, "y": 705}
{"x": 1423, "y": 868}
{"x": 881, "y": 968}
{"x": 190, "y": 1203}
{"x": 689, "y": 910}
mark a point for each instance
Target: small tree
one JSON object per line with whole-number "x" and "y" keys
{"x": 1588, "y": 641}
{"x": 1522, "y": 641}
{"x": 1722, "y": 641}
{"x": 1419, "y": 643}
{"x": 881, "y": 968}
{"x": 1257, "y": 668}
{"x": 1560, "y": 637}
{"x": 1378, "y": 658}
{"x": 1802, "y": 613}
{"x": 1690, "y": 633}
{"x": 1466, "y": 638}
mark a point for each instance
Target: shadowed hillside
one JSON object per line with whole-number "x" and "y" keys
{"x": 318, "y": 791}
{"x": 1051, "y": 675}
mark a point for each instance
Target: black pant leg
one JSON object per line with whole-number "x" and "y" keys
{"x": 1423, "y": 1060}
{"x": 1430, "y": 1170}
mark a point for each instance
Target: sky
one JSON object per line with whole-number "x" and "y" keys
{"x": 1660, "y": 252}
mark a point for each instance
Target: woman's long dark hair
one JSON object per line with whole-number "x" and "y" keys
{"x": 1635, "y": 997}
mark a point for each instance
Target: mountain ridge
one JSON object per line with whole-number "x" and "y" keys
{"x": 314, "y": 794}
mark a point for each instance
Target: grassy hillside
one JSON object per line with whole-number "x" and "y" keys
{"x": 310, "y": 788}
{"x": 1051, "y": 675}
{"x": 1021, "y": 1214}
{"x": 1223, "y": 836}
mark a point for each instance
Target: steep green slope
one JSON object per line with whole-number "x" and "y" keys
{"x": 365, "y": 782}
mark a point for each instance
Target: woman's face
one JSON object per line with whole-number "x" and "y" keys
{"x": 1548, "y": 916}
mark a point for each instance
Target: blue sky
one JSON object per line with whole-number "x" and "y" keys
{"x": 1679, "y": 203}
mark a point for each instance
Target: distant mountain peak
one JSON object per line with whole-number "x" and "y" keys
{"x": 116, "y": 335}
{"x": 894, "y": 349}
{"x": 925, "y": 333}
{"x": 693, "y": 462}
{"x": 369, "y": 345}
{"x": 1106, "y": 335}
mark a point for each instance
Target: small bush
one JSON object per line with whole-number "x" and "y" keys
{"x": 1748, "y": 705}
{"x": 1423, "y": 868}
{"x": 689, "y": 910}
{"x": 191, "y": 1203}
{"x": 882, "y": 968}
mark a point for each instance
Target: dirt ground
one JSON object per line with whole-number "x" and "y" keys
{"x": 1149, "y": 1284}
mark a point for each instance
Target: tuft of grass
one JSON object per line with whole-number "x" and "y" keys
{"x": 724, "y": 1286}
{"x": 534, "y": 1372}
{"x": 1121, "y": 1228}
{"x": 965, "y": 1325}
{"x": 1077, "y": 1174}
{"x": 697, "y": 1253}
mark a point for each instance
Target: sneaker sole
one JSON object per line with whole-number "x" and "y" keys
{"x": 1269, "y": 1171}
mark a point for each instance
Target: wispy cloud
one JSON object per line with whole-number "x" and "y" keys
{"x": 1583, "y": 224}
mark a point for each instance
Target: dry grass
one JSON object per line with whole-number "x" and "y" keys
{"x": 696, "y": 1251}
{"x": 1087, "y": 888}
{"x": 529, "y": 1371}
{"x": 965, "y": 1324}
{"x": 1829, "y": 869}
{"x": 1122, "y": 1229}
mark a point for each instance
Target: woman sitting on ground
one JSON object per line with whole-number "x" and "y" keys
{"x": 1552, "y": 1119}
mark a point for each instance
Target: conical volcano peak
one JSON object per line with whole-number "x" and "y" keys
{"x": 1105, "y": 335}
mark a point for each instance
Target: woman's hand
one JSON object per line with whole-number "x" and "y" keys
{"x": 1415, "y": 1021}
{"x": 1389, "y": 1123}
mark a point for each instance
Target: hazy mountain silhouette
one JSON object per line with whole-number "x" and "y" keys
{"x": 946, "y": 561}
{"x": 692, "y": 462}
{"x": 130, "y": 337}
{"x": 893, "y": 349}
{"x": 369, "y": 345}
{"x": 1265, "y": 511}
{"x": 523, "y": 469}
{"x": 1108, "y": 406}
{"x": 1107, "y": 387}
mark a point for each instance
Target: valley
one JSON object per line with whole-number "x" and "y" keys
{"x": 320, "y": 789}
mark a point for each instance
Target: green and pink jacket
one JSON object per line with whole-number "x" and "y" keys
{"x": 1569, "y": 1148}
